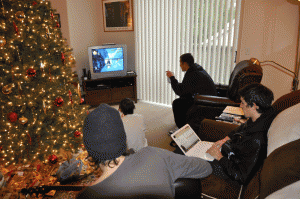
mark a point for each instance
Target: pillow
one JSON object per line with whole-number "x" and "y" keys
{"x": 285, "y": 128}
{"x": 280, "y": 169}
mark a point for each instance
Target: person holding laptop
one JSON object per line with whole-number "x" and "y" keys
{"x": 148, "y": 173}
{"x": 240, "y": 154}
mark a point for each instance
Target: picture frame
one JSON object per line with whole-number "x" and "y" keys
{"x": 117, "y": 15}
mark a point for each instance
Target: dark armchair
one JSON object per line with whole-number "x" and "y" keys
{"x": 206, "y": 106}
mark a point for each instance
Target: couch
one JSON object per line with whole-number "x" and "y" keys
{"x": 280, "y": 172}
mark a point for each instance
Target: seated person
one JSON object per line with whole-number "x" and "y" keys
{"x": 240, "y": 154}
{"x": 133, "y": 124}
{"x": 148, "y": 172}
{"x": 195, "y": 81}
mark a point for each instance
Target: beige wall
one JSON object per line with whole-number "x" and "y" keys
{"x": 84, "y": 20}
{"x": 268, "y": 31}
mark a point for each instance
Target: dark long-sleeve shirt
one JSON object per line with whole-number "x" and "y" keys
{"x": 249, "y": 144}
{"x": 196, "y": 81}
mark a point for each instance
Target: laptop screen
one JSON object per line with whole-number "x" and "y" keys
{"x": 186, "y": 138}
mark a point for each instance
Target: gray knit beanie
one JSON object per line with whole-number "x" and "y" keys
{"x": 103, "y": 133}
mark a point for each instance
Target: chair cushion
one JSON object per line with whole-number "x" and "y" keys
{"x": 220, "y": 188}
{"x": 281, "y": 168}
{"x": 284, "y": 129}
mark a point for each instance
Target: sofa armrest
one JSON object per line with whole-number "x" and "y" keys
{"x": 211, "y": 130}
{"x": 209, "y": 100}
{"x": 281, "y": 168}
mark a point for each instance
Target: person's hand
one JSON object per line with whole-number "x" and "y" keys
{"x": 241, "y": 121}
{"x": 214, "y": 151}
{"x": 169, "y": 74}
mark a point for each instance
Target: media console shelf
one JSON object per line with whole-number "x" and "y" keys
{"x": 110, "y": 90}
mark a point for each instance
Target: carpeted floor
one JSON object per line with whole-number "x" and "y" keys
{"x": 159, "y": 121}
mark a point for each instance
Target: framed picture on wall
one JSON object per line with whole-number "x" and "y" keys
{"x": 117, "y": 15}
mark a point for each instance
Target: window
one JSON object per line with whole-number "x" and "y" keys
{"x": 168, "y": 28}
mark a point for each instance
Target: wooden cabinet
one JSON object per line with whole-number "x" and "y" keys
{"x": 110, "y": 90}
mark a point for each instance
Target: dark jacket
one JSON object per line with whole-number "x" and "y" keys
{"x": 195, "y": 81}
{"x": 249, "y": 147}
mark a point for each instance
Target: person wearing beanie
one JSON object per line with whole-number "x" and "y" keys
{"x": 148, "y": 173}
{"x": 134, "y": 125}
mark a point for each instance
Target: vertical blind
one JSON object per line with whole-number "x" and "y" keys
{"x": 165, "y": 29}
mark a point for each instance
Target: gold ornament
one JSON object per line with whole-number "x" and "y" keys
{"x": 78, "y": 89}
{"x": 7, "y": 89}
{"x": 2, "y": 41}
{"x": 44, "y": 107}
{"x": 2, "y": 24}
{"x": 20, "y": 16}
{"x": 23, "y": 120}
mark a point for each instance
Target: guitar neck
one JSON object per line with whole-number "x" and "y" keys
{"x": 45, "y": 189}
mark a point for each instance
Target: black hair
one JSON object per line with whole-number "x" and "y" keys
{"x": 188, "y": 58}
{"x": 127, "y": 106}
{"x": 258, "y": 94}
{"x": 96, "y": 163}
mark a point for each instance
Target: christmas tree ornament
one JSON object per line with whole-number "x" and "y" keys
{"x": 52, "y": 16}
{"x": 30, "y": 72}
{"x": 82, "y": 100}
{"x": 16, "y": 28}
{"x": 34, "y": 3}
{"x": 7, "y": 89}
{"x": 53, "y": 159}
{"x": 77, "y": 134}
{"x": 20, "y": 88}
{"x": 23, "y": 120}
{"x": 44, "y": 106}
{"x": 79, "y": 90}
{"x": 2, "y": 41}
{"x": 2, "y": 25}
{"x": 12, "y": 117}
{"x": 20, "y": 16}
{"x": 70, "y": 97}
{"x": 63, "y": 58}
{"x": 58, "y": 101}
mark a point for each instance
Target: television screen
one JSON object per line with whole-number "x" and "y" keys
{"x": 108, "y": 60}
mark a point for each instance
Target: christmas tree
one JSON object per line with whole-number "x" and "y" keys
{"x": 41, "y": 109}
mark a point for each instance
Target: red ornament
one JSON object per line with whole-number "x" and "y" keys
{"x": 82, "y": 100}
{"x": 30, "y": 72}
{"x": 34, "y": 3}
{"x": 52, "y": 17}
{"x": 16, "y": 28}
{"x": 53, "y": 159}
{"x": 58, "y": 101}
{"x": 63, "y": 58}
{"x": 57, "y": 25}
{"x": 77, "y": 134}
{"x": 70, "y": 97}
{"x": 12, "y": 117}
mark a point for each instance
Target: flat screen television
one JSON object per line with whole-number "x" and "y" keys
{"x": 108, "y": 60}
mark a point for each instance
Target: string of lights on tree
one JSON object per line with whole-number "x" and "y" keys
{"x": 41, "y": 109}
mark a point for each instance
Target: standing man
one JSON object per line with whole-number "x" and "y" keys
{"x": 240, "y": 154}
{"x": 196, "y": 81}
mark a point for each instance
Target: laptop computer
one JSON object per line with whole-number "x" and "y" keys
{"x": 190, "y": 144}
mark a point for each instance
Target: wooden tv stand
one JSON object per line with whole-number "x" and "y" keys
{"x": 109, "y": 90}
